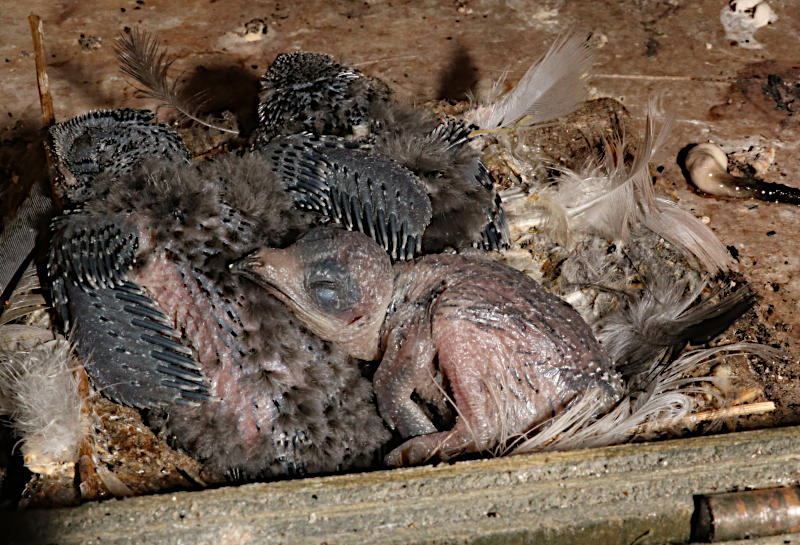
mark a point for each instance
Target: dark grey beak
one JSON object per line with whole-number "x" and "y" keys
{"x": 244, "y": 265}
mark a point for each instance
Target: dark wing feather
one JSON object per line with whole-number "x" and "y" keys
{"x": 346, "y": 184}
{"x": 466, "y": 208}
{"x": 129, "y": 349}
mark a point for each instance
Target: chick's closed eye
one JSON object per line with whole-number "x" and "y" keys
{"x": 331, "y": 286}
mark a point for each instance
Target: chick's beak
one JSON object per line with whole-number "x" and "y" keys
{"x": 245, "y": 264}
{"x": 256, "y": 266}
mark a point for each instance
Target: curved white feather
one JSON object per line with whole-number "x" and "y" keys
{"x": 667, "y": 399}
{"x": 551, "y": 88}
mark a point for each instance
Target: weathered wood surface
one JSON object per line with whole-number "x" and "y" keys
{"x": 631, "y": 493}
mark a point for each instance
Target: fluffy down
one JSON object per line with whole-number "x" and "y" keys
{"x": 39, "y": 393}
{"x": 283, "y": 401}
{"x": 610, "y": 198}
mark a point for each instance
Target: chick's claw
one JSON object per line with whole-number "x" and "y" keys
{"x": 421, "y": 449}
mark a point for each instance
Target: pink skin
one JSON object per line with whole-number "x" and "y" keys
{"x": 507, "y": 353}
{"x": 190, "y": 314}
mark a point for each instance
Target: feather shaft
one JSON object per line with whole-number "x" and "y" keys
{"x": 142, "y": 59}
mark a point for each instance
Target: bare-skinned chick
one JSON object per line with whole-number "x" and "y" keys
{"x": 451, "y": 329}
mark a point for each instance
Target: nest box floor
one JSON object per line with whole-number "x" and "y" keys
{"x": 720, "y": 86}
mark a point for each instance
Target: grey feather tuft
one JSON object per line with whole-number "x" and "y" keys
{"x": 142, "y": 59}
{"x": 607, "y": 198}
{"x": 551, "y": 88}
{"x": 249, "y": 186}
{"x": 662, "y": 321}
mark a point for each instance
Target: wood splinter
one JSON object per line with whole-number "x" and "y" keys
{"x": 45, "y": 98}
{"x": 91, "y": 484}
{"x": 738, "y": 410}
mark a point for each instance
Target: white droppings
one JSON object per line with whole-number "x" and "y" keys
{"x": 742, "y": 18}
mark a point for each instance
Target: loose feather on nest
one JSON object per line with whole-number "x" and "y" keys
{"x": 38, "y": 391}
{"x": 610, "y": 198}
{"x": 668, "y": 397}
{"x": 661, "y": 321}
{"x": 551, "y": 87}
{"x": 40, "y": 394}
{"x": 143, "y": 60}
{"x": 24, "y": 300}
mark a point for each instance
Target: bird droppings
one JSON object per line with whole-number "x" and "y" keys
{"x": 707, "y": 168}
{"x": 254, "y": 30}
{"x": 741, "y": 19}
{"x": 90, "y": 43}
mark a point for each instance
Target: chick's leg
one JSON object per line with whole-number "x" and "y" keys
{"x": 419, "y": 450}
{"x": 407, "y": 361}
{"x": 485, "y": 405}
{"x": 474, "y": 430}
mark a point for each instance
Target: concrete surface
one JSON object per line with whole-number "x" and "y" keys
{"x": 626, "y": 494}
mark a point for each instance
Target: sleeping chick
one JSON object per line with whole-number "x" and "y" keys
{"x": 312, "y": 93}
{"x": 139, "y": 270}
{"x": 511, "y": 354}
{"x": 325, "y": 126}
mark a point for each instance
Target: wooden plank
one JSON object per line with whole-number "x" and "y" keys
{"x": 642, "y": 493}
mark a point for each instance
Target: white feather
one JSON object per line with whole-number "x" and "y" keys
{"x": 608, "y": 199}
{"x": 685, "y": 231}
{"x": 39, "y": 392}
{"x": 660, "y": 407}
{"x": 551, "y": 88}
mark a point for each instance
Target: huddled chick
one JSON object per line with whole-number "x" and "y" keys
{"x": 139, "y": 268}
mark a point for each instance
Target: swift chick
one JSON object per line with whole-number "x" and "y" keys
{"x": 512, "y": 354}
{"x": 139, "y": 270}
